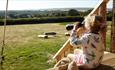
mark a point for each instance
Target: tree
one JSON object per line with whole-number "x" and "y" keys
{"x": 88, "y": 11}
{"x": 109, "y": 15}
{"x": 12, "y": 15}
{"x": 73, "y": 12}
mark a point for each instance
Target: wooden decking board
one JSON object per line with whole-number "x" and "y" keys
{"x": 108, "y": 62}
{"x": 108, "y": 55}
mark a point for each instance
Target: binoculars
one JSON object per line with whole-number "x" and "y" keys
{"x": 70, "y": 26}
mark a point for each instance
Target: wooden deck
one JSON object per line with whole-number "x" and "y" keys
{"x": 108, "y": 62}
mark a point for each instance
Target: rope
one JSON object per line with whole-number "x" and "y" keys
{"x": 4, "y": 34}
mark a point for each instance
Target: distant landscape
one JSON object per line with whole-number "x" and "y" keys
{"x": 41, "y": 13}
{"x": 48, "y": 15}
{"x": 46, "y": 12}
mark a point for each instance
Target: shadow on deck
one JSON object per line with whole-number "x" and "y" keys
{"x": 104, "y": 67}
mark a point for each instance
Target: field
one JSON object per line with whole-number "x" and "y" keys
{"x": 25, "y": 51}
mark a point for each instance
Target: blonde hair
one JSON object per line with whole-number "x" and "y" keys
{"x": 94, "y": 22}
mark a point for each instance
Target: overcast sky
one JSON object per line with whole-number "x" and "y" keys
{"x": 45, "y": 4}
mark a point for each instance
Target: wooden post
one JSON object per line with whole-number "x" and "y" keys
{"x": 112, "y": 47}
{"x": 102, "y": 12}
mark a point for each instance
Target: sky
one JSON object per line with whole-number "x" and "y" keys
{"x": 45, "y": 4}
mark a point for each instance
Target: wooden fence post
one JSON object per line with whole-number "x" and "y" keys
{"x": 102, "y": 12}
{"x": 112, "y": 46}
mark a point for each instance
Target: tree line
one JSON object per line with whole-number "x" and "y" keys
{"x": 47, "y": 13}
{"x": 32, "y": 17}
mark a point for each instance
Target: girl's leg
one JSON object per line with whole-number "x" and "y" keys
{"x": 68, "y": 59}
{"x": 62, "y": 67}
{"x": 71, "y": 57}
{"x": 62, "y": 62}
{"x": 73, "y": 66}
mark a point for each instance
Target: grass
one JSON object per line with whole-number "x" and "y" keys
{"x": 25, "y": 51}
{"x": 108, "y": 34}
{"x": 65, "y": 23}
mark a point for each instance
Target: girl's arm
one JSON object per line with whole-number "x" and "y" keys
{"x": 74, "y": 41}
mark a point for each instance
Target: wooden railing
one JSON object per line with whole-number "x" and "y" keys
{"x": 67, "y": 48}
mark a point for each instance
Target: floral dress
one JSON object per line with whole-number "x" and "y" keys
{"x": 92, "y": 49}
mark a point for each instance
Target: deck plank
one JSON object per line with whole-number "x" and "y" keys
{"x": 108, "y": 62}
{"x": 109, "y": 59}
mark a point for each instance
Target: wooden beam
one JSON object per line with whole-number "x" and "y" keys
{"x": 112, "y": 48}
{"x": 102, "y": 12}
{"x": 62, "y": 50}
{"x": 96, "y": 9}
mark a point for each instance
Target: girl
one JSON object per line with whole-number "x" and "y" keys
{"x": 92, "y": 46}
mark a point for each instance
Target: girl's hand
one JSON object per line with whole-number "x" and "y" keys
{"x": 73, "y": 33}
{"x": 76, "y": 26}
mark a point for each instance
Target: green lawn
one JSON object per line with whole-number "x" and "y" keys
{"x": 108, "y": 34}
{"x": 25, "y": 51}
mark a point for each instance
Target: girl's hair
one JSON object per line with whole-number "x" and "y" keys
{"x": 94, "y": 22}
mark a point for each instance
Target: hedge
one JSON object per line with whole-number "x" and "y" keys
{"x": 41, "y": 20}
